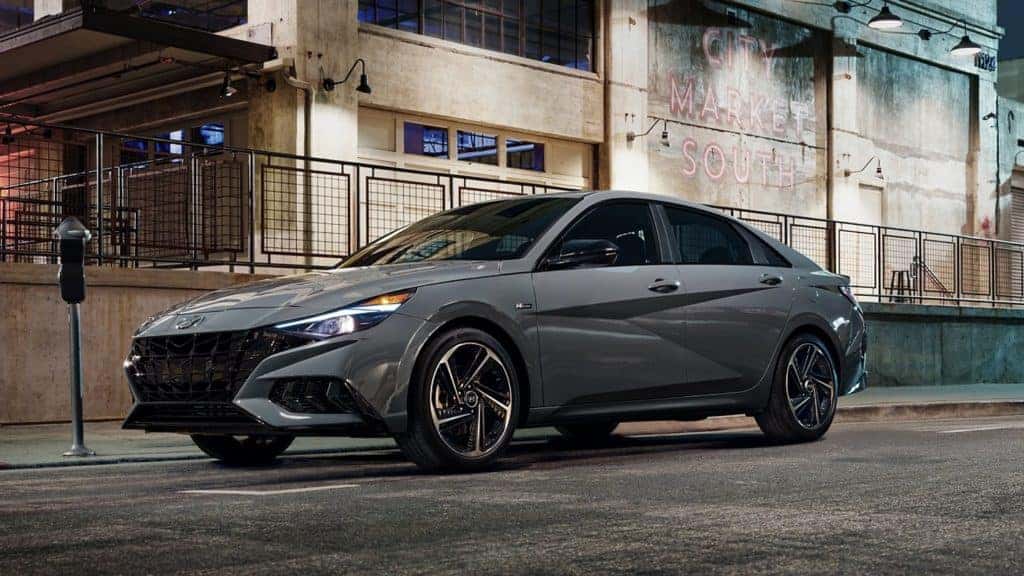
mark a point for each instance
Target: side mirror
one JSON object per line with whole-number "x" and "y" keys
{"x": 584, "y": 253}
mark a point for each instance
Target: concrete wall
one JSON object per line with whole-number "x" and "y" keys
{"x": 828, "y": 108}
{"x": 911, "y": 345}
{"x": 34, "y": 373}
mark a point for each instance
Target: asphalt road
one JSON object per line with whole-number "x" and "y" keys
{"x": 912, "y": 497}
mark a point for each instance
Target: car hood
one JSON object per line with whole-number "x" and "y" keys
{"x": 330, "y": 289}
{"x": 293, "y": 297}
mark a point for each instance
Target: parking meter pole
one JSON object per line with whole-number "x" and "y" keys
{"x": 71, "y": 278}
{"x": 78, "y": 447}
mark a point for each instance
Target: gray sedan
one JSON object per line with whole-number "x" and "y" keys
{"x": 577, "y": 311}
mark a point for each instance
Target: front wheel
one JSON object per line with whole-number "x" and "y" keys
{"x": 253, "y": 450}
{"x": 465, "y": 398}
{"x": 803, "y": 396}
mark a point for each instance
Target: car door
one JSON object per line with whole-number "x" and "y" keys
{"x": 609, "y": 331}
{"x": 737, "y": 305}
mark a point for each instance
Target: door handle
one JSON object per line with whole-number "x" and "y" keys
{"x": 662, "y": 287}
{"x": 771, "y": 280}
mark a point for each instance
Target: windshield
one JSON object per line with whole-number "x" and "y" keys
{"x": 488, "y": 231}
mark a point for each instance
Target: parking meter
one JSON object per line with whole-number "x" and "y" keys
{"x": 73, "y": 236}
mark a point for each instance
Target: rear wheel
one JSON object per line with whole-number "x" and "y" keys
{"x": 465, "y": 401}
{"x": 803, "y": 396}
{"x": 587, "y": 431}
{"x": 253, "y": 450}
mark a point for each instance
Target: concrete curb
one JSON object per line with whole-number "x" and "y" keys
{"x": 849, "y": 414}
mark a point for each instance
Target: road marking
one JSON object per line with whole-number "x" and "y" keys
{"x": 231, "y": 492}
{"x": 983, "y": 428}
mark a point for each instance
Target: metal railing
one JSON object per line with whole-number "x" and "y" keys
{"x": 891, "y": 264}
{"x": 172, "y": 203}
{"x": 166, "y": 203}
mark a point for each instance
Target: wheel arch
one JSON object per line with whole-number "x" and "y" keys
{"x": 815, "y": 326}
{"x": 497, "y": 331}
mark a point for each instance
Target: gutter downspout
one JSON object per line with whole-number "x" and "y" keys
{"x": 307, "y": 144}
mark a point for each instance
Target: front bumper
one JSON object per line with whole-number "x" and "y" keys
{"x": 341, "y": 386}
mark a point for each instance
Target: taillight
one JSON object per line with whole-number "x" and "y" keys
{"x": 845, "y": 290}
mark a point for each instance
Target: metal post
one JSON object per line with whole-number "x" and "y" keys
{"x": 99, "y": 199}
{"x": 252, "y": 213}
{"x": 78, "y": 447}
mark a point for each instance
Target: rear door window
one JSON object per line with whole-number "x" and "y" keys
{"x": 704, "y": 239}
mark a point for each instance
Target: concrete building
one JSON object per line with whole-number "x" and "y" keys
{"x": 804, "y": 110}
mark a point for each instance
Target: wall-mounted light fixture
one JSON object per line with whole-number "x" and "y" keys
{"x": 364, "y": 86}
{"x": 965, "y": 47}
{"x": 631, "y": 135}
{"x": 878, "y": 169}
{"x": 885, "y": 19}
{"x": 226, "y": 89}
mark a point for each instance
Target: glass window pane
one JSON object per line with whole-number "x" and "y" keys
{"x": 627, "y": 225}
{"x": 367, "y": 12}
{"x": 524, "y": 155}
{"x": 426, "y": 140}
{"x": 477, "y": 147}
{"x": 704, "y": 239}
{"x": 585, "y": 18}
{"x": 510, "y": 43}
{"x": 511, "y": 7}
{"x": 549, "y": 46}
{"x": 453, "y": 22}
{"x": 408, "y": 17}
{"x": 474, "y": 22}
{"x": 533, "y": 8}
{"x": 387, "y": 13}
{"x": 432, "y": 18}
{"x": 493, "y": 5}
{"x": 584, "y": 58}
{"x": 532, "y": 42}
{"x": 567, "y": 17}
{"x": 492, "y": 32}
{"x": 211, "y": 134}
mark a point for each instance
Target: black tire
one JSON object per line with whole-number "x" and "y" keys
{"x": 423, "y": 442}
{"x": 788, "y": 420}
{"x": 255, "y": 450}
{"x": 591, "y": 432}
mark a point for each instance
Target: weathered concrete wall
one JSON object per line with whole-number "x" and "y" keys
{"x": 911, "y": 345}
{"x": 917, "y": 116}
{"x": 422, "y": 75}
{"x": 745, "y": 104}
{"x": 1010, "y": 207}
{"x": 34, "y": 373}
{"x": 1011, "y": 79}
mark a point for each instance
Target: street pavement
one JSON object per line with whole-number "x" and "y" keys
{"x": 30, "y": 446}
{"x": 928, "y": 496}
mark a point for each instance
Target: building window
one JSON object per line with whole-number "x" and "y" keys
{"x": 211, "y": 134}
{"x": 426, "y": 140}
{"x": 555, "y": 31}
{"x": 477, "y": 147}
{"x": 524, "y": 155}
{"x": 164, "y": 150}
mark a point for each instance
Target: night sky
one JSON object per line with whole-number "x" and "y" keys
{"x": 1011, "y": 17}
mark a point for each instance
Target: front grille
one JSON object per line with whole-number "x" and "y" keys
{"x": 205, "y": 367}
{"x": 184, "y": 413}
{"x": 313, "y": 396}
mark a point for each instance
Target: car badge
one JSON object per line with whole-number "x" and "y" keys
{"x": 189, "y": 322}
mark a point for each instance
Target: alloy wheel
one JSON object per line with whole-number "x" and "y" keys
{"x": 471, "y": 399}
{"x": 810, "y": 385}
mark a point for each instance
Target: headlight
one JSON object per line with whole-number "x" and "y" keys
{"x": 359, "y": 316}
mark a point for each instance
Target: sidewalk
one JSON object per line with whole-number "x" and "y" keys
{"x": 42, "y": 445}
